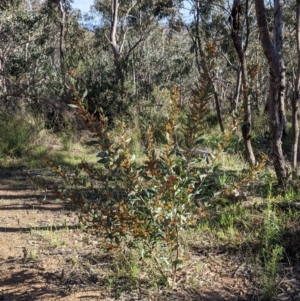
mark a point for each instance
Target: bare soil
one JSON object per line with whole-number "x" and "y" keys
{"x": 45, "y": 256}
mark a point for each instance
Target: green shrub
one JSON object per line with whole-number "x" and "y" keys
{"x": 147, "y": 204}
{"x": 16, "y": 135}
{"x": 144, "y": 205}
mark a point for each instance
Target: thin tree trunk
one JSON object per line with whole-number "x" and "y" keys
{"x": 296, "y": 98}
{"x": 278, "y": 43}
{"x": 236, "y": 96}
{"x": 62, "y": 35}
{"x": 117, "y": 43}
{"x": 217, "y": 102}
{"x": 3, "y": 73}
{"x": 247, "y": 122}
{"x": 276, "y": 93}
{"x": 113, "y": 30}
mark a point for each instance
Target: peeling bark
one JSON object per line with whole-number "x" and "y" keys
{"x": 113, "y": 30}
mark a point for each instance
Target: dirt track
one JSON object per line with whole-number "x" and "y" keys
{"x": 44, "y": 256}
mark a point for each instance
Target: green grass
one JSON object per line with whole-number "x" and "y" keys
{"x": 50, "y": 147}
{"x": 51, "y": 236}
{"x": 16, "y": 136}
{"x": 33, "y": 255}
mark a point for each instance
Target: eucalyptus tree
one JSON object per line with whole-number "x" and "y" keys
{"x": 296, "y": 97}
{"x": 240, "y": 38}
{"x": 273, "y": 50}
{"x": 19, "y": 30}
{"x": 121, "y": 18}
{"x": 57, "y": 13}
{"x": 31, "y": 73}
{"x": 160, "y": 61}
{"x": 122, "y": 40}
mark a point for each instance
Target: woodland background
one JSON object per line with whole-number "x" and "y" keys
{"x": 129, "y": 61}
{"x": 172, "y": 131}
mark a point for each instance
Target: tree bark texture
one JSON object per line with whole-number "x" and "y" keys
{"x": 278, "y": 43}
{"x": 274, "y": 55}
{"x": 241, "y": 51}
{"x": 113, "y": 30}
{"x": 296, "y": 99}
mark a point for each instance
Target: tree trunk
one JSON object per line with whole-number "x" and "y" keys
{"x": 117, "y": 43}
{"x": 274, "y": 56}
{"x": 295, "y": 100}
{"x": 235, "y": 35}
{"x": 236, "y": 96}
{"x": 3, "y": 75}
{"x": 217, "y": 102}
{"x": 113, "y": 30}
{"x": 278, "y": 43}
{"x": 62, "y": 35}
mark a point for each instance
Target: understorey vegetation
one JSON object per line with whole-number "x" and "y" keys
{"x": 172, "y": 132}
{"x": 151, "y": 206}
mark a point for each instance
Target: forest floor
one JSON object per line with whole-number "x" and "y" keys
{"x": 44, "y": 255}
